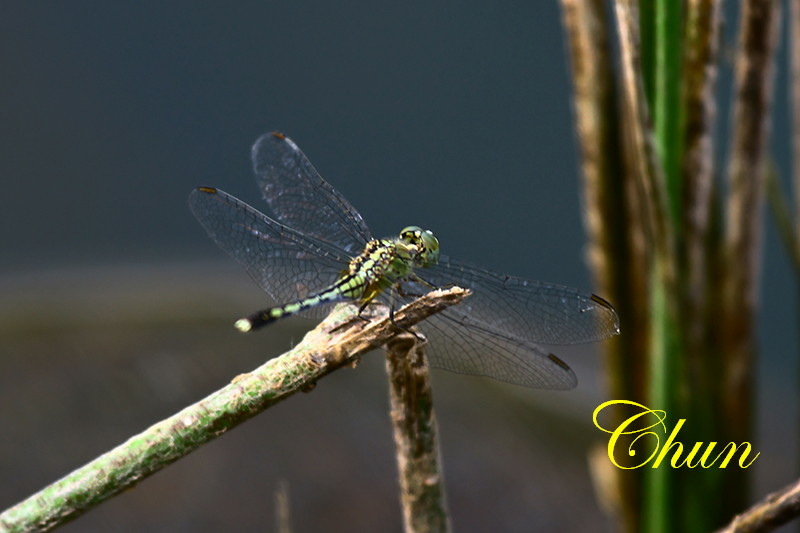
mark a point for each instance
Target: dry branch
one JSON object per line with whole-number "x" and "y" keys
{"x": 700, "y": 73}
{"x": 607, "y": 219}
{"x": 773, "y": 511}
{"x": 648, "y": 172}
{"x": 747, "y": 166}
{"x": 421, "y": 485}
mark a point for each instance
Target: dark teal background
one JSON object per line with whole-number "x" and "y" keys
{"x": 449, "y": 116}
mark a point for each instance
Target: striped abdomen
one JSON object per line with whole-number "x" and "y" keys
{"x": 350, "y": 287}
{"x": 368, "y": 274}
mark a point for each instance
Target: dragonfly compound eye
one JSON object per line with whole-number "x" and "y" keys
{"x": 411, "y": 235}
{"x": 426, "y": 244}
{"x": 430, "y": 247}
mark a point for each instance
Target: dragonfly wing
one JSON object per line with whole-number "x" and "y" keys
{"x": 459, "y": 344}
{"x": 473, "y": 350}
{"x": 525, "y": 311}
{"x": 301, "y": 199}
{"x": 287, "y": 264}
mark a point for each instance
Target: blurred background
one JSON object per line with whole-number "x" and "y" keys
{"x": 116, "y": 309}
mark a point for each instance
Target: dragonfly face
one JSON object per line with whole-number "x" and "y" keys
{"x": 422, "y": 246}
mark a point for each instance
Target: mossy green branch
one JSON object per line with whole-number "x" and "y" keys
{"x": 336, "y": 342}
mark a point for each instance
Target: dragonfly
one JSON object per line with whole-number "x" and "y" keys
{"x": 314, "y": 249}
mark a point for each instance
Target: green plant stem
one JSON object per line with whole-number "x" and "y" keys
{"x": 336, "y": 342}
{"x": 661, "y": 483}
{"x": 667, "y": 100}
{"x": 654, "y": 210}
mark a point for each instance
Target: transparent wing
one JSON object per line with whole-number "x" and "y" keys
{"x": 496, "y": 332}
{"x": 287, "y": 264}
{"x": 301, "y": 199}
{"x": 455, "y": 347}
{"x": 530, "y": 312}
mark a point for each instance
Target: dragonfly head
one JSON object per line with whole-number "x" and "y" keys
{"x": 422, "y": 243}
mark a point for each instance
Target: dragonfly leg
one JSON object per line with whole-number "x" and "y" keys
{"x": 392, "y": 292}
{"x": 361, "y": 310}
{"x": 358, "y": 316}
{"x": 416, "y": 279}
{"x": 403, "y": 293}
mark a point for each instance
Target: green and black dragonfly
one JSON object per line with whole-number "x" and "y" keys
{"x": 315, "y": 249}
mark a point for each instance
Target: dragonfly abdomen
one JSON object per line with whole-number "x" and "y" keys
{"x": 374, "y": 270}
{"x": 350, "y": 287}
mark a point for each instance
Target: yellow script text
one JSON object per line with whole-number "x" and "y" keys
{"x": 639, "y": 436}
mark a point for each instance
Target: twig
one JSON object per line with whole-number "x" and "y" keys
{"x": 794, "y": 104}
{"x": 747, "y": 165}
{"x": 783, "y": 218}
{"x": 595, "y": 106}
{"x": 700, "y": 73}
{"x": 336, "y": 342}
{"x": 773, "y": 511}
{"x": 648, "y": 172}
{"x": 605, "y": 213}
{"x": 618, "y": 271}
{"x": 738, "y": 259}
{"x": 283, "y": 522}
{"x": 697, "y": 244}
{"x": 422, "y": 489}
{"x": 758, "y": 36}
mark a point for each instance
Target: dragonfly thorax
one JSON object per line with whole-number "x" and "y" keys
{"x": 385, "y": 262}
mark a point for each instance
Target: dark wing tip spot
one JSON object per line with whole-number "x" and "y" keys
{"x": 558, "y": 361}
{"x": 209, "y": 190}
{"x": 604, "y": 303}
{"x": 601, "y": 301}
{"x": 278, "y": 135}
